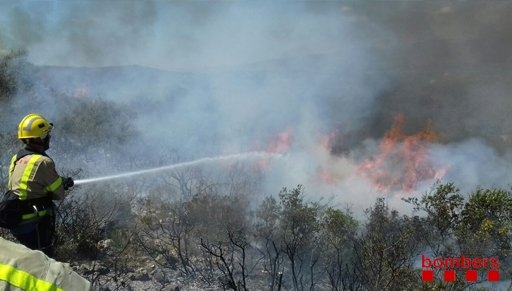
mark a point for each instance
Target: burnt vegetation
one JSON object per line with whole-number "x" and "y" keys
{"x": 204, "y": 230}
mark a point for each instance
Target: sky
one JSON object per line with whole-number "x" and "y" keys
{"x": 329, "y": 83}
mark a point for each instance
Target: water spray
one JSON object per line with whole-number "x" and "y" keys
{"x": 248, "y": 155}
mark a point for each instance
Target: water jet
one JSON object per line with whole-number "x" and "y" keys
{"x": 248, "y": 155}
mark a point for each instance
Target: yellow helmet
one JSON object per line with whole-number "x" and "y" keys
{"x": 34, "y": 126}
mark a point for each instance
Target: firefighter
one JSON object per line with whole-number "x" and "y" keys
{"x": 25, "y": 269}
{"x": 35, "y": 182}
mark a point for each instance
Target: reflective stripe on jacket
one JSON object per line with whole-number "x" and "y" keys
{"x": 34, "y": 176}
{"x": 24, "y": 269}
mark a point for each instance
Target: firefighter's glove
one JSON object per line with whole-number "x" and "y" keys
{"x": 67, "y": 182}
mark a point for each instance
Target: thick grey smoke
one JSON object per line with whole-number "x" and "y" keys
{"x": 449, "y": 62}
{"x": 320, "y": 80}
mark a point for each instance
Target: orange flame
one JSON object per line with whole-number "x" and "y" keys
{"x": 403, "y": 159}
{"x": 280, "y": 144}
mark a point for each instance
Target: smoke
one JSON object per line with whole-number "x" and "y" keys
{"x": 210, "y": 78}
{"x": 449, "y": 64}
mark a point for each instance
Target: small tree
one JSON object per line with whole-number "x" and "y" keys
{"x": 386, "y": 249}
{"x": 338, "y": 232}
{"x": 442, "y": 207}
{"x": 267, "y": 240}
{"x": 298, "y": 233}
{"x": 230, "y": 258}
{"x": 486, "y": 223}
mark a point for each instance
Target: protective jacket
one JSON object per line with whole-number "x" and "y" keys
{"x": 33, "y": 178}
{"x": 25, "y": 269}
{"x": 33, "y": 175}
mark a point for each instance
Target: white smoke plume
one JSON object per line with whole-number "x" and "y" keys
{"x": 330, "y": 77}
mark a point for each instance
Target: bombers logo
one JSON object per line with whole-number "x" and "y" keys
{"x": 472, "y": 266}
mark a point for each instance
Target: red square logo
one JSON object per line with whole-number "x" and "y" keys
{"x": 427, "y": 275}
{"x": 471, "y": 275}
{"x": 449, "y": 275}
{"x": 493, "y": 275}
